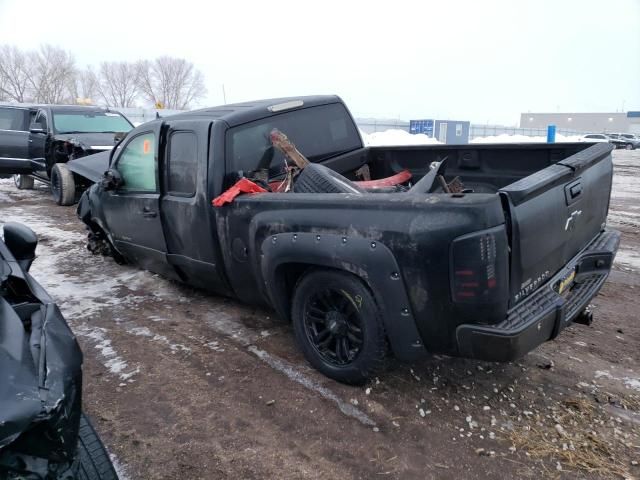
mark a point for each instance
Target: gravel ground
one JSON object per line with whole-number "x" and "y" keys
{"x": 181, "y": 384}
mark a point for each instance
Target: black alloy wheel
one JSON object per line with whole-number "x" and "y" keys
{"x": 338, "y": 325}
{"x": 334, "y": 326}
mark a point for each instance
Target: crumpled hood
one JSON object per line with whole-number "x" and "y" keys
{"x": 40, "y": 372}
{"x": 88, "y": 140}
{"x": 91, "y": 166}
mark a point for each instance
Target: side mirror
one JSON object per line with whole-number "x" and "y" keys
{"x": 36, "y": 128}
{"x": 21, "y": 242}
{"x": 112, "y": 180}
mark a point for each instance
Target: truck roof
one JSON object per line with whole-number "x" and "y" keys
{"x": 239, "y": 113}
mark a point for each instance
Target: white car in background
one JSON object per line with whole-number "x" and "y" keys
{"x": 595, "y": 138}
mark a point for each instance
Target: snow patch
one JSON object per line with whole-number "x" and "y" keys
{"x": 628, "y": 258}
{"x": 298, "y": 377}
{"x": 111, "y": 360}
{"x": 397, "y": 137}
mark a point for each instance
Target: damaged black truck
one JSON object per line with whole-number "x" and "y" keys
{"x": 37, "y": 141}
{"x": 480, "y": 251}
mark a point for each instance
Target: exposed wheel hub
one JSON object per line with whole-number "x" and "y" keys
{"x": 336, "y": 323}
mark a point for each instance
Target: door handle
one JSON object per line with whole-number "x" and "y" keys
{"x": 148, "y": 213}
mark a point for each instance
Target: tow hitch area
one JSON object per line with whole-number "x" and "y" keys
{"x": 585, "y": 318}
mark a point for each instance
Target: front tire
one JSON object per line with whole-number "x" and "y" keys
{"x": 94, "y": 460}
{"x": 23, "y": 182}
{"x": 628, "y": 146}
{"x": 63, "y": 185}
{"x": 338, "y": 326}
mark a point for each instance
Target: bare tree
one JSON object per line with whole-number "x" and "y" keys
{"x": 14, "y": 74}
{"x": 118, "y": 83}
{"x": 50, "y": 69}
{"x": 84, "y": 85}
{"x": 171, "y": 82}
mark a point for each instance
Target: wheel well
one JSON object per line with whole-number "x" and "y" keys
{"x": 288, "y": 275}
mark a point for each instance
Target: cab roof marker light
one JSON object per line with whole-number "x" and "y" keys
{"x": 285, "y": 106}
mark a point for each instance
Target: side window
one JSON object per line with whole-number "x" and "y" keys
{"x": 11, "y": 119}
{"x": 182, "y": 157}
{"x": 41, "y": 118}
{"x": 137, "y": 164}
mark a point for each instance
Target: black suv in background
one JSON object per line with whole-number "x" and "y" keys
{"x": 37, "y": 141}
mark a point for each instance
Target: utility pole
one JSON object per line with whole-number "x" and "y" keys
{"x": 224, "y": 95}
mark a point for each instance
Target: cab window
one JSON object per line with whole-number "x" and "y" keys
{"x": 319, "y": 133}
{"x": 137, "y": 164}
{"x": 41, "y": 119}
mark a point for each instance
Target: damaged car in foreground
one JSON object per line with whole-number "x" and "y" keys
{"x": 43, "y": 432}
{"x": 493, "y": 251}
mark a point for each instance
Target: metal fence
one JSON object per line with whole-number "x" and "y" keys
{"x": 495, "y": 130}
{"x": 371, "y": 125}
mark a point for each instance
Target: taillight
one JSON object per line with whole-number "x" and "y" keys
{"x": 480, "y": 267}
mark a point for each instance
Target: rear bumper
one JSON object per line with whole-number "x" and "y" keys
{"x": 545, "y": 313}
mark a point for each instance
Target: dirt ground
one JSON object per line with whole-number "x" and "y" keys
{"x": 181, "y": 384}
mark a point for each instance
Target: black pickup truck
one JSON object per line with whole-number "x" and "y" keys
{"x": 481, "y": 251}
{"x": 37, "y": 141}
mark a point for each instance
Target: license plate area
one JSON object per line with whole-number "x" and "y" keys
{"x": 565, "y": 283}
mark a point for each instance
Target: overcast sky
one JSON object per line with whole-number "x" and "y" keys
{"x": 485, "y": 61}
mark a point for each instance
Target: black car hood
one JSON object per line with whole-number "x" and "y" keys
{"x": 91, "y": 166}
{"x": 40, "y": 371}
{"x": 88, "y": 140}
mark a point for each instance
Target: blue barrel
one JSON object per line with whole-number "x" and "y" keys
{"x": 551, "y": 134}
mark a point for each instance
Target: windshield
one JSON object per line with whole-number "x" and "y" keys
{"x": 90, "y": 122}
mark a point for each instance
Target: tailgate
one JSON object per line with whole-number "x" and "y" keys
{"x": 555, "y": 213}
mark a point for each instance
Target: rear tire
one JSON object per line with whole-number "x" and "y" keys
{"x": 628, "y": 146}
{"x": 338, "y": 326}
{"x": 63, "y": 185}
{"x": 23, "y": 182}
{"x": 94, "y": 460}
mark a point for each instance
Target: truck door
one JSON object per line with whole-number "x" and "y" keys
{"x": 14, "y": 133}
{"x": 132, "y": 211}
{"x": 38, "y": 141}
{"x": 185, "y": 208}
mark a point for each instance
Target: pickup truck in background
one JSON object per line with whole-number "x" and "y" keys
{"x": 491, "y": 252}
{"x": 39, "y": 140}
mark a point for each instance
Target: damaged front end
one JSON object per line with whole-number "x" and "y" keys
{"x": 40, "y": 374}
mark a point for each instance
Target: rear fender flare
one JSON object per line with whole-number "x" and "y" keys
{"x": 370, "y": 260}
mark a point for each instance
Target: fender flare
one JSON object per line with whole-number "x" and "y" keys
{"x": 370, "y": 260}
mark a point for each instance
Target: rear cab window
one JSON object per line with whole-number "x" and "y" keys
{"x": 182, "y": 158}
{"x": 318, "y": 132}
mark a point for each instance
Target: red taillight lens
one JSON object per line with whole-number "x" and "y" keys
{"x": 480, "y": 267}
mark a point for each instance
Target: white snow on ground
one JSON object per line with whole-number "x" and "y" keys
{"x": 119, "y": 467}
{"x": 629, "y": 382}
{"x": 402, "y": 137}
{"x": 397, "y": 137}
{"x": 297, "y": 376}
{"x": 111, "y": 360}
{"x": 146, "y": 332}
{"x": 628, "y": 258}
